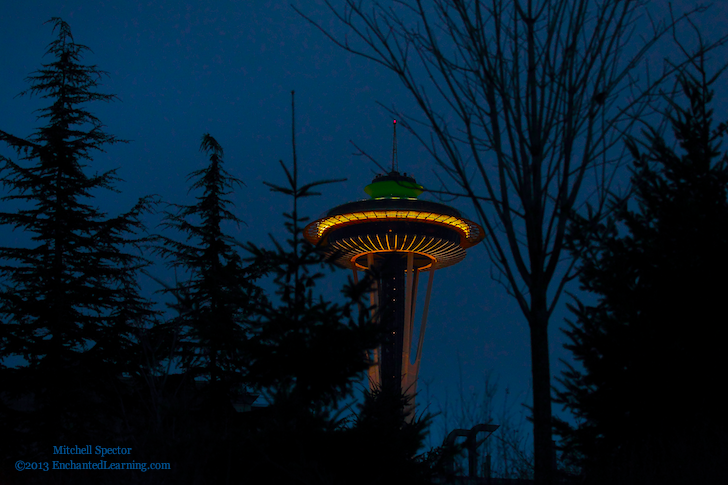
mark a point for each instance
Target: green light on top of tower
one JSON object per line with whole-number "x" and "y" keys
{"x": 393, "y": 185}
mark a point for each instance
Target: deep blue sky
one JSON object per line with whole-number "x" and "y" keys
{"x": 181, "y": 69}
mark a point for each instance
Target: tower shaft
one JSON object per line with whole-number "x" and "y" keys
{"x": 392, "y": 297}
{"x": 395, "y": 295}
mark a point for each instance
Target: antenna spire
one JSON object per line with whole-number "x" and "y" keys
{"x": 395, "y": 166}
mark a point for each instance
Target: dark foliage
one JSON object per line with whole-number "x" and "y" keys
{"x": 648, "y": 401}
{"x": 70, "y": 305}
{"x": 220, "y": 295}
{"x": 309, "y": 353}
{"x": 387, "y": 438}
{"x": 377, "y": 446}
{"x": 196, "y": 362}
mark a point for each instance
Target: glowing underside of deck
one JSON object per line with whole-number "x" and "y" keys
{"x": 431, "y": 252}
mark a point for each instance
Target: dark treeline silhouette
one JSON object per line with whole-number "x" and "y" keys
{"x": 649, "y": 401}
{"x": 86, "y": 361}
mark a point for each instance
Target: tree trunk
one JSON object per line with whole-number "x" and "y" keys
{"x": 541, "y": 375}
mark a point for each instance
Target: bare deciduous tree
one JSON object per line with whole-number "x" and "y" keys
{"x": 522, "y": 103}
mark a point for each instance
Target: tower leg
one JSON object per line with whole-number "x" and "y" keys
{"x": 408, "y": 320}
{"x": 375, "y": 376}
{"x": 413, "y": 369}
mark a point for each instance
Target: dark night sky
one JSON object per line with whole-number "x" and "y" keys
{"x": 181, "y": 69}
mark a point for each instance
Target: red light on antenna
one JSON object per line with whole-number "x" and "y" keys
{"x": 395, "y": 122}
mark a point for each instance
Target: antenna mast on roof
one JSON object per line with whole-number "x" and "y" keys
{"x": 394, "y": 148}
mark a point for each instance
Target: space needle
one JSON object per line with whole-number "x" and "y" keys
{"x": 397, "y": 237}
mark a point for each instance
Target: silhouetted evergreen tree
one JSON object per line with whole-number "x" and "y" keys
{"x": 70, "y": 301}
{"x": 308, "y": 351}
{"x": 220, "y": 294}
{"x": 384, "y": 436}
{"x": 307, "y": 355}
{"x": 649, "y": 401}
{"x": 198, "y": 359}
